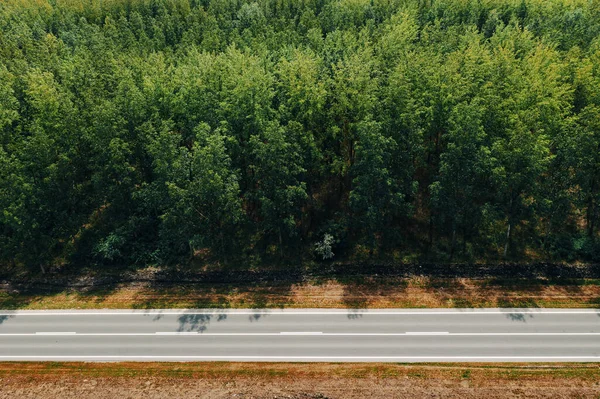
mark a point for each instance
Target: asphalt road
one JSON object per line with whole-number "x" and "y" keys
{"x": 401, "y": 335}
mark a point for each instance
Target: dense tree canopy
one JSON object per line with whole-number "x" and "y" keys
{"x": 151, "y": 131}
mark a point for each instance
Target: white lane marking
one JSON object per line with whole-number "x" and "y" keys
{"x": 176, "y": 333}
{"x": 264, "y": 312}
{"x": 301, "y": 333}
{"x": 55, "y": 333}
{"x": 396, "y": 358}
{"x": 199, "y": 334}
{"x": 427, "y": 333}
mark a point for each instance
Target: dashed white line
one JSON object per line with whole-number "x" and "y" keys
{"x": 55, "y": 333}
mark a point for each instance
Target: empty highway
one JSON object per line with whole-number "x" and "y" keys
{"x": 392, "y": 335}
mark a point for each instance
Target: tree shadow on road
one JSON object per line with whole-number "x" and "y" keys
{"x": 198, "y": 322}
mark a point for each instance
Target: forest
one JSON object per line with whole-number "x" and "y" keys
{"x": 141, "y": 132}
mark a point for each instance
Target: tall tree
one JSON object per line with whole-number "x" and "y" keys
{"x": 280, "y": 191}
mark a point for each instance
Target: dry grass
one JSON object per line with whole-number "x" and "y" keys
{"x": 365, "y": 293}
{"x": 296, "y": 380}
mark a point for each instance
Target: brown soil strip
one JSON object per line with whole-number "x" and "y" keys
{"x": 297, "y": 380}
{"x": 385, "y": 292}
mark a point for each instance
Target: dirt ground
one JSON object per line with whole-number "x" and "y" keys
{"x": 295, "y": 381}
{"x": 300, "y": 388}
{"x": 372, "y": 292}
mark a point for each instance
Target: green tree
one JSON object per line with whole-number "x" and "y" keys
{"x": 375, "y": 199}
{"x": 280, "y": 190}
{"x": 202, "y": 206}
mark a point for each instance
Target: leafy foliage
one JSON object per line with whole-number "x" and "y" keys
{"x": 142, "y": 131}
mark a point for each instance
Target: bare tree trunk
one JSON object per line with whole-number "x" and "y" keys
{"x": 42, "y": 268}
{"x": 508, "y": 230}
{"x": 430, "y": 243}
{"x": 280, "y": 244}
{"x": 590, "y": 216}
{"x": 453, "y": 242}
{"x": 223, "y": 251}
{"x": 506, "y": 245}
